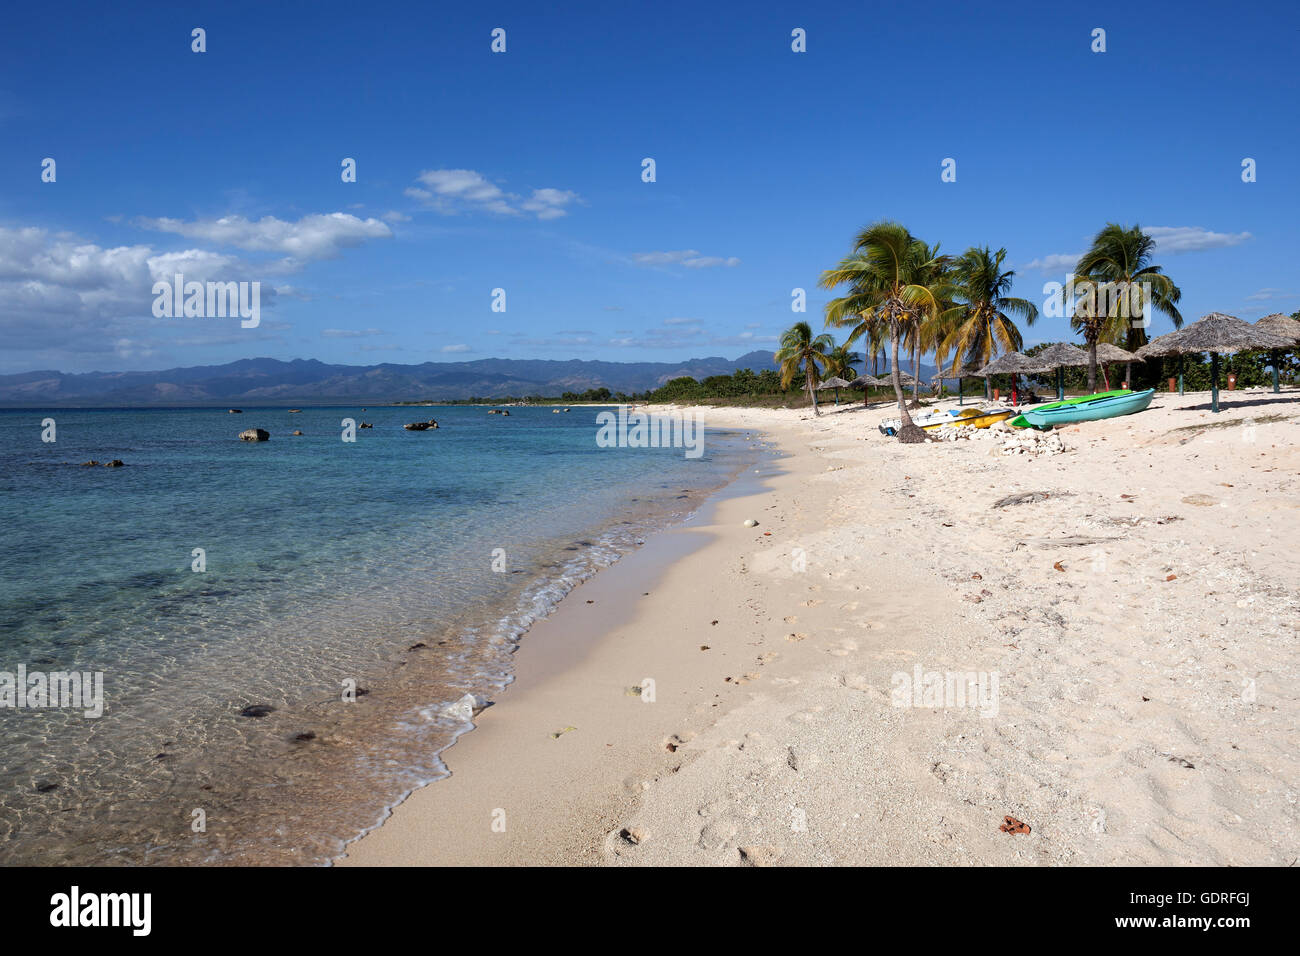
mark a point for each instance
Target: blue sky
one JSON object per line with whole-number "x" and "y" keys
{"x": 522, "y": 170}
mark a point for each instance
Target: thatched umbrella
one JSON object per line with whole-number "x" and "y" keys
{"x": 1057, "y": 357}
{"x": 836, "y": 383}
{"x": 1282, "y": 325}
{"x": 866, "y": 383}
{"x": 1217, "y": 334}
{"x": 1108, "y": 353}
{"x": 958, "y": 372}
{"x": 906, "y": 379}
{"x": 1012, "y": 363}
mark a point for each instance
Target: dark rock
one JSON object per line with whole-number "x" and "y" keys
{"x": 115, "y": 463}
{"x": 257, "y": 710}
{"x": 254, "y": 434}
{"x": 236, "y": 411}
{"x": 46, "y": 787}
{"x": 89, "y": 464}
{"x": 365, "y": 425}
{"x": 305, "y": 736}
{"x": 297, "y": 433}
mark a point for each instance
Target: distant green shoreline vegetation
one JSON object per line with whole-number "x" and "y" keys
{"x": 763, "y": 389}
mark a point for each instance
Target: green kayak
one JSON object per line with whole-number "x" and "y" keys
{"x": 1022, "y": 422}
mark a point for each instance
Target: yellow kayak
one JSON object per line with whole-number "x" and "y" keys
{"x": 975, "y": 417}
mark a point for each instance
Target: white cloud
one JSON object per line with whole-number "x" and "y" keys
{"x": 453, "y": 191}
{"x": 687, "y": 336}
{"x": 1175, "y": 239}
{"x": 394, "y": 216}
{"x": 349, "y": 333}
{"x": 1057, "y": 262}
{"x": 690, "y": 258}
{"x": 455, "y": 348}
{"x": 1170, "y": 240}
{"x": 63, "y": 297}
{"x": 318, "y": 236}
{"x": 549, "y": 203}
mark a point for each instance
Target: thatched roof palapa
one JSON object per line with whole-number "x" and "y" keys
{"x": 957, "y": 371}
{"x": 1218, "y": 333}
{"x": 1280, "y": 324}
{"x": 864, "y": 381}
{"x": 833, "y": 382}
{"x": 1113, "y": 353}
{"x": 1058, "y": 355}
{"x": 1013, "y": 363}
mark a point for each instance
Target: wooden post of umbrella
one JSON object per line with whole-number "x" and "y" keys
{"x": 1060, "y": 383}
{"x": 1217, "y": 334}
{"x": 1289, "y": 329}
{"x": 1214, "y": 382}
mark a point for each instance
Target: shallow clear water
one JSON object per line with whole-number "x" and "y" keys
{"x": 326, "y": 562}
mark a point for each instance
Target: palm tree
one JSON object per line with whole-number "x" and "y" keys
{"x": 861, "y": 325}
{"x": 984, "y": 325}
{"x": 840, "y": 362}
{"x": 889, "y": 274}
{"x": 1119, "y": 262}
{"x": 925, "y": 336}
{"x": 800, "y": 350}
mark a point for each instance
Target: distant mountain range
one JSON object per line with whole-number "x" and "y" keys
{"x": 273, "y": 382}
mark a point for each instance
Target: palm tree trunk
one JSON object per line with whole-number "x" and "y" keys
{"x": 1092, "y": 366}
{"x": 907, "y": 430}
{"x": 916, "y": 377}
{"x": 812, "y": 392}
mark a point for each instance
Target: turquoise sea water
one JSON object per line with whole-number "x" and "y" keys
{"x": 326, "y": 562}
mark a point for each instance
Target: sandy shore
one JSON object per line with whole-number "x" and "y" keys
{"x": 1140, "y": 619}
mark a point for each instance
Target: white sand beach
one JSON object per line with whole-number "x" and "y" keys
{"x": 1140, "y": 616}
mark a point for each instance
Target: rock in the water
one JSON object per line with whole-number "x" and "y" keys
{"x": 115, "y": 463}
{"x": 421, "y": 426}
{"x": 257, "y": 710}
{"x": 465, "y": 708}
{"x": 255, "y": 434}
{"x": 297, "y": 433}
{"x": 236, "y": 411}
{"x": 89, "y": 464}
{"x": 365, "y": 425}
